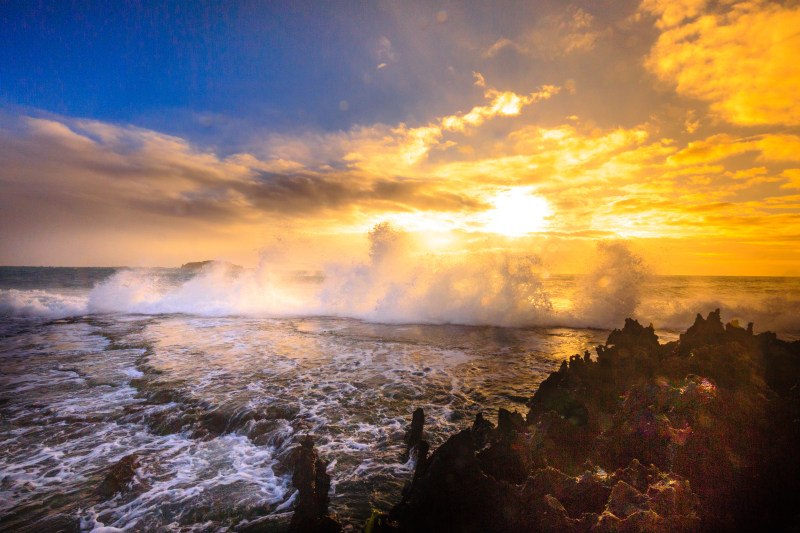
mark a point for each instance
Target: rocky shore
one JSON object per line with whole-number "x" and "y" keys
{"x": 701, "y": 434}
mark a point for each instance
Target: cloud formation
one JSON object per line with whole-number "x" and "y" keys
{"x": 704, "y": 152}
{"x": 741, "y": 57}
{"x": 554, "y": 35}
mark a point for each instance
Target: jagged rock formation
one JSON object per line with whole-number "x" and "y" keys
{"x": 698, "y": 434}
{"x": 413, "y": 437}
{"x": 312, "y": 483}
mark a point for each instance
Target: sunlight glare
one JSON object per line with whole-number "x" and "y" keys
{"x": 517, "y": 212}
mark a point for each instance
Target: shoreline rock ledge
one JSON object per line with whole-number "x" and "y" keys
{"x": 700, "y": 434}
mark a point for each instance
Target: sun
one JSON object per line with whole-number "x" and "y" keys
{"x": 517, "y": 212}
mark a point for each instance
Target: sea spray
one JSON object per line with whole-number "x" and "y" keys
{"x": 41, "y": 303}
{"x": 398, "y": 280}
{"x": 611, "y": 291}
{"x": 398, "y": 284}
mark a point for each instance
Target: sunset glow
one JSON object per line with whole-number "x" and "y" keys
{"x": 399, "y": 266}
{"x": 672, "y": 125}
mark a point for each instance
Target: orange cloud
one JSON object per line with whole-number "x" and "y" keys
{"x": 740, "y": 57}
{"x": 446, "y": 174}
{"x": 793, "y": 175}
{"x": 723, "y": 145}
{"x": 672, "y": 12}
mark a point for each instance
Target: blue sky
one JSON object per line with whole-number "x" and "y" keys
{"x": 271, "y": 63}
{"x": 208, "y": 69}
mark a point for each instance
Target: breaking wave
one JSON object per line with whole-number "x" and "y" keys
{"x": 398, "y": 283}
{"x": 41, "y": 303}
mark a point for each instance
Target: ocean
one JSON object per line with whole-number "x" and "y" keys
{"x": 210, "y": 376}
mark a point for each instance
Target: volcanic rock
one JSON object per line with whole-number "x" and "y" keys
{"x": 413, "y": 436}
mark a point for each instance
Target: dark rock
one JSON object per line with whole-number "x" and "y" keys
{"x": 625, "y": 500}
{"x": 703, "y": 333}
{"x": 715, "y": 417}
{"x": 482, "y": 431}
{"x": 507, "y": 458}
{"x": 637, "y": 476}
{"x": 422, "y": 450}
{"x": 414, "y": 434}
{"x": 312, "y": 483}
{"x": 60, "y": 523}
{"x": 554, "y": 394}
{"x": 781, "y": 363}
{"x": 587, "y": 493}
{"x": 508, "y": 422}
{"x": 119, "y": 476}
{"x": 450, "y": 492}
{"x": 634, "y": 336}
{"x": 553, "y": 516}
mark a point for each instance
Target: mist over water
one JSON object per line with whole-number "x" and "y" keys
{"x": 399, "y": 282}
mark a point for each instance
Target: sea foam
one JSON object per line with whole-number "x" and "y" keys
{"x": 400, "y": 282}
{"x": 41, "y": 303}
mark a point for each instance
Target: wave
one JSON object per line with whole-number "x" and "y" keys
{"x": 400, "y": 283}
{"x": 397, "y": 284}
{"x": 42, "y": 304}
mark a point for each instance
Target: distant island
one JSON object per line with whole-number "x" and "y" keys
{"x": 199, "y": 265}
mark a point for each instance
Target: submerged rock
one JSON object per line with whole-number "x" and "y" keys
{"x": 119, "y": 476}
{"x": 60, "y": 523}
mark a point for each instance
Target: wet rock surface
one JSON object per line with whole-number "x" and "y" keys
{"x": 312, "y": 483}
{"x": 413, "y": 436}
{"x": 59, "y": 523}
{"x": 118, "y": 476}
{"x": 700, "y": 434}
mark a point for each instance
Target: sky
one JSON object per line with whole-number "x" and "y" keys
{"x": 156, "y": 133}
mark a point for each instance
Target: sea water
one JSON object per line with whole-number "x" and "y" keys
{"x": 210, "y": 377}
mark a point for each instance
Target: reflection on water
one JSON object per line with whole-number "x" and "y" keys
{"x": 212, "y": 405}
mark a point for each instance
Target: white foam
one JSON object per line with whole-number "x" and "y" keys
{"x": 403, "y": 283}
{"x": 132, "y": 372}
{"x": 41, "y": 303}
{"x": 191, "y": 473}
{"x": 397, "y": 284}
